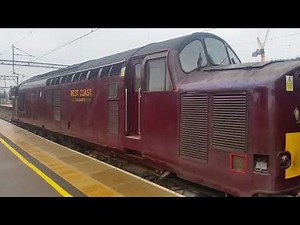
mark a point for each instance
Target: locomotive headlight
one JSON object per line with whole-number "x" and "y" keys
{"x": 284, "y": 159}
{"x": 297, "y": 115}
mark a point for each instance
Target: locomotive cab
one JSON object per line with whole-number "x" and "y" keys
{"x": 239, "y": 120}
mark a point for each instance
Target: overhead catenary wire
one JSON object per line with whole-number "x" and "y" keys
{"x": 27, "y": 54}
{"x": 62, "y": 46}
{"x": 94, "y": 30}
{"x": 30, "y": 32}
{"x": 271, "y": 39}
{"x": 18, "y": 41}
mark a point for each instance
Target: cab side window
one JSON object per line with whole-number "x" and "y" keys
{"x": 157, "y": 78}
{"x": 138, "y": 75}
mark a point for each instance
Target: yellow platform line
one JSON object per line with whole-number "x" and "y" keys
{"x": 52, "y": 183}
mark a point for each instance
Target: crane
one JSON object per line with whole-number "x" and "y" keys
{"x": 261, "y": 47}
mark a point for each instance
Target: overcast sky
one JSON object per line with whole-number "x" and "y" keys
{"x": 281, "y": 43}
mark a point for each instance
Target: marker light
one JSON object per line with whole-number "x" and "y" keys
{"x": 238, "y": 163}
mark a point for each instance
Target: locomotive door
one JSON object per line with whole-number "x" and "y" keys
{"x": 133, "y": 98}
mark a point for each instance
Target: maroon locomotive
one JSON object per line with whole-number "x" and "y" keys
{"x": 185, "y": 105}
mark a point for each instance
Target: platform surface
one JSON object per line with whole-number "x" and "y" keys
{"x": 15, "y": 178}
{"x": 70, "y": 173}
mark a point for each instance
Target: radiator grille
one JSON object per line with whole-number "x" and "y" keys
{"x": 113, "y": 116}
{"x": 229, "y": 121}
{"x": 57, "y": 105}
{"x": 57, "y": 113}
{"x": 49, "y": 97}
{"x": 194, "y": 126}
{"x": 56, "y": 98}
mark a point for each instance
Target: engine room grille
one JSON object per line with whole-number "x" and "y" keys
{"x": 57, "y": 105}
{"x": 56, "y": 98}
{"x": 229, "y": 121}
{"x": 49, "y": 97}
{"x": 194, "y": 126}
{"x": 57, "y": 113}
{"x": 113, "y": 116}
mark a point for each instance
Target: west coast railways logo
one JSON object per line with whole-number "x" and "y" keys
{"x": 81, "y": 95}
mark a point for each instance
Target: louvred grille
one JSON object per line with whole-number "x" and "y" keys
{"x": 194, "y": 126}
{"x": 229, "y": 121}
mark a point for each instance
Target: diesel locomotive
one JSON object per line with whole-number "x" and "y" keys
{"x": 185, "y": 105}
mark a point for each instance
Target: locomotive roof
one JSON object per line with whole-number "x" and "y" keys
{"x": 175, "y": 44}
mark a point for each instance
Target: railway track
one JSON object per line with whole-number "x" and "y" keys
{"x": 162, "y": 178}
{"x": 5, "y": 113}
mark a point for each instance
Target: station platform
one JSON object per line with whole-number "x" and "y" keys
{"x": 33, "y": 166}
{"x": 16, "y": 177}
